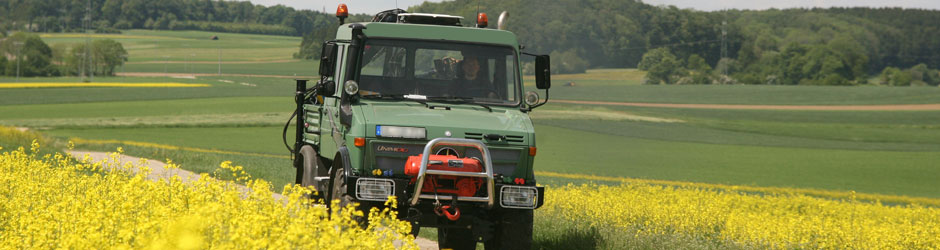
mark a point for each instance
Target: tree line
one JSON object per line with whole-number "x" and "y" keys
{"x": 834, "y": 46}
{"x": 25, "y": 54}
{"x": 113, "y": 15}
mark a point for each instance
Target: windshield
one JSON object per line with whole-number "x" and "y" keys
{"x": 439, "y": 71}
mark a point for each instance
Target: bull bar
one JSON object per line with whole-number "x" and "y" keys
{"x": 424, "y": 171}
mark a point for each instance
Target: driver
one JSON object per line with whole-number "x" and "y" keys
{"x": 470, "y": 83}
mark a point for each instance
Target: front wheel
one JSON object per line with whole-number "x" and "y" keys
{"x": 514, "y": 230}
{"x": 338, "y": 192}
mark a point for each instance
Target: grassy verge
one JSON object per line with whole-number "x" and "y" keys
{"x": 610, "y": 154}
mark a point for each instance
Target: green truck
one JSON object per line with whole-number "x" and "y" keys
{"x": 420, "y": 107}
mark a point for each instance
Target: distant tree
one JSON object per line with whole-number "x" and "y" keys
{"x": 31, "y": 53}
{"x": 919, "y": 72}
{"x": 108, "y": 55}
{"x": 933, "y": 77}
{"x": 727, "y": 66}
{"x": 568, "y": 62}
{"x": 105, "y": 56}
{"x": 661, "y": 66}
{"x": 698, "y": 72}
{"x": 697, "y": 63}
{"x": 895, "y": 77}
{"x": 3, "y": 65}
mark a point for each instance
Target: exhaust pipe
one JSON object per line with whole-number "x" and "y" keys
{"x": 503, "y": 18}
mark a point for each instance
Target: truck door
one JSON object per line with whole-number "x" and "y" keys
{"x": 331, "y": 135}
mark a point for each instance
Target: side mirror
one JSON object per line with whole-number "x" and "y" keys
{"x": 543, "y": 73}
{"x": 328, "y": 59}
{"x": 327, "y": 88}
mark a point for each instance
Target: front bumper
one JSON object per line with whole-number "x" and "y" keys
{"x": 405, "y": 194}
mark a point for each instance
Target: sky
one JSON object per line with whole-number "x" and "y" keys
{"x": 374, "y": 6}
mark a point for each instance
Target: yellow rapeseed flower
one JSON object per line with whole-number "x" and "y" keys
{"x": 53, "y": 201}
{"x": 756, "y": 220}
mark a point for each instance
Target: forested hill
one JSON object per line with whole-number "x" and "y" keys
{"x": 838, "y": 46}
{"x": 112, "y": 15}
{"x": 791, "y": 46}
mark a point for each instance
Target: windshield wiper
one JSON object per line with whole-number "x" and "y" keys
{"x": 458, "y": 100}
{"x": 398, "y": 97}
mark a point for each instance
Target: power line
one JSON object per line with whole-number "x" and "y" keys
{"x": 675, "y": 44}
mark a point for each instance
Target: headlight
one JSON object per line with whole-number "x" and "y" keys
{"x": 374, "y": 189}
{"x": 518, "y": 197}
{"x": 351, "y": 87}
{"x": 400, "y": 132}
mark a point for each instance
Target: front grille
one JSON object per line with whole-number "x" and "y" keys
{"x": 514, "y": 138}
{"x": 475, "y": 136}
{"x": 392, "y": 156}
{"x": 481, "y": 136}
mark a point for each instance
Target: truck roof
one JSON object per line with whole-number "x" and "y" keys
{"x": 431, "y": 32}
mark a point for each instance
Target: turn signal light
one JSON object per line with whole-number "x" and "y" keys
{"x": 482, "y": 21}
{"x": 359, "y": 141}
{"x": 532, "y": 151}
{"x": 342, "y": 11}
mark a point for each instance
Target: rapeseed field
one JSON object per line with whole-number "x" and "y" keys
{"x": 52, "y": 201}
{"x": 735, "y": 219}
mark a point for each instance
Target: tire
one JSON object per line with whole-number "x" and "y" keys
{"x": 514, "y": 230}
{"x": 338, "y": 192}
{"x": 456, "y": 238}
{"x": 311, "y": 167}
{"x": 338, "y": 187}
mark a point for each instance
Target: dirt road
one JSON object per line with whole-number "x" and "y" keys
{"x": 896, "y": 107}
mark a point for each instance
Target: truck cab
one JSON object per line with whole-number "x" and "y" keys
{"x": 419, "y": 107}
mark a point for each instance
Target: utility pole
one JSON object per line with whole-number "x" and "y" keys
{"x": 19, "y": 53}
{"x": 86, "y": 62}
{"x": 724, "y": 43}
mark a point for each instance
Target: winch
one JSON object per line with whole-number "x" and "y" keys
{"x": 446, "y": 184}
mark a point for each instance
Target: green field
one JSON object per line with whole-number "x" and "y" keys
{"x": 225, "y": 86}
{"x": 194, "y": 52}
{"x": 866, "y": 151}
{"x": 627, "y": 91}
{"x": 886, "y": 152}
{"x": 148, "y": 45}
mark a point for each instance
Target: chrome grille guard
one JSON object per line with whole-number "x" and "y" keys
{"x": 424, "y": 171}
